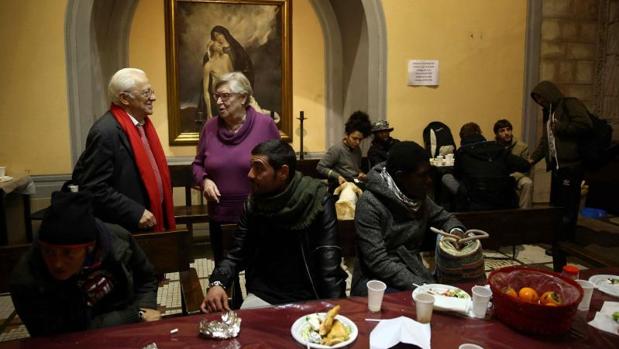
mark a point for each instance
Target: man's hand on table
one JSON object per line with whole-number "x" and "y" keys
{"x": 147, "y": 314}
{"x": 216, "y": 300}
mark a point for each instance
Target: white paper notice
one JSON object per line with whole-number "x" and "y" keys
{"x": 423, "y": 72}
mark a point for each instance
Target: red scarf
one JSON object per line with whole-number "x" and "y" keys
{"x": 146, "y": 171}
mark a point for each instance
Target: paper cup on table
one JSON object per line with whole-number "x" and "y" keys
{"x": 587, "y": 287}
{"x": 481, "y": 298}
{"x": 2, "y": 171}
{"x": 376, "y": 291}
{"x": 424, "y": 303}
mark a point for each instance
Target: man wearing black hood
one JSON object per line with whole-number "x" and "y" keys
{"x": 81, "y": 273}
{"x": 566, "y": 120}
{"x": 483, "y": 169}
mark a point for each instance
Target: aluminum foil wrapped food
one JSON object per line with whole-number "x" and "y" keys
{"x": 228, "y": 327}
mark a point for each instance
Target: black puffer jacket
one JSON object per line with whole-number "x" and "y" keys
{"x": 283, "y": 266}
{"x": 484, "y": 170}
{"x": 47, "y": 306}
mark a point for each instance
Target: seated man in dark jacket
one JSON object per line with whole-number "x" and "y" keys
{"x": 81, "y": 273}
{"x": 393, "y": 219}
{"x": 286, "y": 238}
{"x": 483, "y": 169}
{"x": 381, "y": 143}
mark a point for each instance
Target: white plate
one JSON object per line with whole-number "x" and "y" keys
{"x": 601, "y": 283}
{"x": 299, "y": 325}
{"x": 444, "y": 303}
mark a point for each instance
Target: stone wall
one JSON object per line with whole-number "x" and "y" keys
{"x": 569, "y": 46}
{"x": 608, "y": 77}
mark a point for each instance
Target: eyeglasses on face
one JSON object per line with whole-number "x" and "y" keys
{"x": 146, "y": 94}
{"x": 224, "y": 95}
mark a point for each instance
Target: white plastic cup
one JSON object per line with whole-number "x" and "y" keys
{"x": 470, "y": 346}
{"x": 424, "y": 304}
{"x": 449, "y": 156}
{"x": 376, "y": 291}
{"x": 2, "y": 171}
{"x": 481, "y": 297}
{"x": 587, "y": 287}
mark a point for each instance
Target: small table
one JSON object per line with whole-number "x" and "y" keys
{"x": 20, "y": 185}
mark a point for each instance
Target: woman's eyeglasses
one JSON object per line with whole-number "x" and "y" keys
{"x": 223, "y": 95}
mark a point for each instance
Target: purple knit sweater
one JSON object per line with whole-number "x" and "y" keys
{"x": 224, "y": 157}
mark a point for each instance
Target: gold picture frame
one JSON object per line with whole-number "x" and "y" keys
{"x": 202, "y": 36}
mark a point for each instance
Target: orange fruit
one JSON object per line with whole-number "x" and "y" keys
{"x": 511, "y": 292}
{"x": 529, "y": 295}
{"x": 550, "y": 298}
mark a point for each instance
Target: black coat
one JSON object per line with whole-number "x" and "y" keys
{"x": 484, "y": 170}
{"x": 107, "y": 168}
{"x": 282, "y": 266}
{"x": 47, "y": 306}
{"x": 379, "y": 150}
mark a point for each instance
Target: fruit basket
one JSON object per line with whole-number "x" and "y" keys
{"x": 533, "y": 317}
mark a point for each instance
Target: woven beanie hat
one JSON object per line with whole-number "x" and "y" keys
{"x": 405, "y": 156}
{"x": 69, "y": 220}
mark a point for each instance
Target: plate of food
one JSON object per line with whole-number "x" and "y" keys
{"x": 606, "y": 283}
{"x": 446, "y": 297}
{"x": 324, "y": 330}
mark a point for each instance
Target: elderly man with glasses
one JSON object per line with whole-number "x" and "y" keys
{"x": 123, "y": 165}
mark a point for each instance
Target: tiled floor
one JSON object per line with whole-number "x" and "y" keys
{"x": 168, "y": 295}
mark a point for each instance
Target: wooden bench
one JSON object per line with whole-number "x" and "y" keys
{"x": 170, "y": 252}
{"x": 506, "y": 228}
{"x": 593, "y": 236}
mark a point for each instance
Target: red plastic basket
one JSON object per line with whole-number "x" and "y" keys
{"x": 534, "y": 318}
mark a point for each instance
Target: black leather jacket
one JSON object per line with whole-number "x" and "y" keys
{"x": 283, "y": 266}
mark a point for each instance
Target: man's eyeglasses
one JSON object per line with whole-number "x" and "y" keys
{"x": 147, "y": 93}
{"x": 224, "y": 95}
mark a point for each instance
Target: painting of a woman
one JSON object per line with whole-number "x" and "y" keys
{"x": 224, "y": 54}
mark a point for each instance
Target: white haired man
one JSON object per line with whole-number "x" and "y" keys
{"x": 123, "y": 165}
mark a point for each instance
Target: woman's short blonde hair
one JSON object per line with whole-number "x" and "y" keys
{"x": 238, "y": 83}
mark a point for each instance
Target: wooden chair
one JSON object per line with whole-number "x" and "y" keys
{"x": 10, "y": 256}
{"x": 188, "y": 214}
{"x": 170, "y": 252}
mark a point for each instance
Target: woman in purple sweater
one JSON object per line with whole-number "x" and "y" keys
{"x": 224, "y": 151}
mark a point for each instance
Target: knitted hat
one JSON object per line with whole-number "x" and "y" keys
{"x": 405, "y": 156}
{"x": 381, "y": 125}
{"x": 69, "y": 220}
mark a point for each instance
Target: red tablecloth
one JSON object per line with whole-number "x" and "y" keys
{"x": 270, "y": 328}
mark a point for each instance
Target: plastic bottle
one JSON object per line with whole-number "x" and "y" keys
{"x": 570, "y": 271}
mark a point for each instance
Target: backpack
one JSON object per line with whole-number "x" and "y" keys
{"x": 435, "y": 136}
{"x": 594, "y": 148}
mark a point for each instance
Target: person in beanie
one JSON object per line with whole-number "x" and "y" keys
{"x": 81, "y": 273}
{"x": 381, "y": 143}
{"x": 393, "y": 218}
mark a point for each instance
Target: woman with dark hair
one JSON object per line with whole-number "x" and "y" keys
{"x": 223, "y": 52}
{"x": 342, "y": 163}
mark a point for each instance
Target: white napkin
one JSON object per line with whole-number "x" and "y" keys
{"x": 604, "y": 318}
{"x": 452, "y": 304}
{"x": 400, "y": 330}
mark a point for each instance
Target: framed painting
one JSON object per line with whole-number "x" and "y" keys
{"x": 206, "y": 39}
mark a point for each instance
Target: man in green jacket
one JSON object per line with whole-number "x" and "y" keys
{"x": 566, "y": 120}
